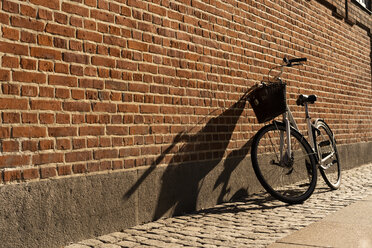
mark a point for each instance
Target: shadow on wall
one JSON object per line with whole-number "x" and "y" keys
{"x": 180, "y": 184}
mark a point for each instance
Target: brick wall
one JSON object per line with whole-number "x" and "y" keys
{"x": 89, "y": 86}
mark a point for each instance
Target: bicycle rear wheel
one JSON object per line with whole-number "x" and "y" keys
{"x": 329, "y": 162}
{"x": 291, "y": 179}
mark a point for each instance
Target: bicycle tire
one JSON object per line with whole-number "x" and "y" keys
{"x": 326, "y": 145}
{"x": 291, "y": 184}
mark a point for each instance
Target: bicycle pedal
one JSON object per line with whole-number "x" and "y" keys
{"x": 324, "y": 155}
{"x": 324, "y": 143}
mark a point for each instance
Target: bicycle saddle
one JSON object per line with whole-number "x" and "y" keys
{"x": 302, "y": 99}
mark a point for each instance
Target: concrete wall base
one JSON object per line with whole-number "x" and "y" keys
{"x": 52, "y": 213}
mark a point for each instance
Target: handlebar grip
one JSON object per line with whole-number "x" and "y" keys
{"x": 297, "y": 60}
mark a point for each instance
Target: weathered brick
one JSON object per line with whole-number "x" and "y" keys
{"x": 75, "y": 57}
{"x": 7, "y": 161}
{"x": 29, "y": 77}
{"x": 91, "y": 130}
{"x": 32, "y": 173}
{"x": 48, "y": 172}
{"x": 28, "y": 132}
{"x": 45, "y": 105}
{"x": 78, "y": 156}
{"x": 47, "y": 158}
{"x": 52, "y": 4}
{"x": 62, "y": 80}
{"x": 77, "y": 106}
{"x": 12, "y": 48}
{"x": 62, "y": 131}
{"x": 10, "y": 103}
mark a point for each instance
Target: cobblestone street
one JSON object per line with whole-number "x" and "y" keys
{"x": 256, "y": 221}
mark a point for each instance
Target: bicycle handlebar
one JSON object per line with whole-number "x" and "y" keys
{"x": 290, "y": 62}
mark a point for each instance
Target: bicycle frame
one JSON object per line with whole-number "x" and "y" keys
{"x": 290, "y": 122}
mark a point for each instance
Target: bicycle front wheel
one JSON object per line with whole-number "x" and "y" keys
{"x": 288, "y": 178}
{"x": 329, "y": 162}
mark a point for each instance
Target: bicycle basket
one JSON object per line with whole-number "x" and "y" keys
{"x": 268, "y": 101}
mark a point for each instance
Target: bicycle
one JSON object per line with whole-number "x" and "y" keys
{"x": 283, "y": 160}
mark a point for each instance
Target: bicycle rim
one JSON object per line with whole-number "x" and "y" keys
{"x": 330, "y": 169}
{"x": 289, "y": 179}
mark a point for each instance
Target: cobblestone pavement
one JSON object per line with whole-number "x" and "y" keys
{"x": 254, "y": 222}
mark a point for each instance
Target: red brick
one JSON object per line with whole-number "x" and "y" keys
{"x": 104, "y": 107}
{"x": 76, "y": 58}
{"x": 63, "y": 118}
{"x": 64, "y": 170}
{"x": 137, "y": 45}
{"x": 27, "y": 23}
{"x": 91, "y": 83}
{"x": 10, "y": 33}
{"x": 29, "y": 64}
{"x": 27, "y": 10}
{"x": 29, "y": 118}
{"x": 105, "y": 153}
{"x": 46, "y": 118}
{"x": 29, "y": 77}
{"x": 91, "y": 130}
{"x": 63, "y": 144}
{"x": 11, "y": 89}
{"x": 45, "y": 14}
{"x": 89, "y": 35}
{"x": 62, "y": 131}
{"x": 62, "y": 93}
{"x": 11, "y": 103}
{"x": 46, "y": 144}
{"x": 102, "y": 15}
{"x": 28, "y": 174}
{"x": 59, "y": 43}
{"x": 63, "y": 80}
{"x": 4, "y": 132}
{"x": 28, "y": 37}
{"x": 11, "y": 62}
{"x": 12, "y": 48}
{"x": 10, "y": 146}
{"x": 60, "y": 30}
{"x": 4, "y": 75}
{"x": 46, "y": 66}
{"x": 45, "y": 40}
{"x": 29, "y": 145}
{"x": 12, "y": 175}
{"x": 117, "y": 130}
{"x": 47, "y": 158}
{"x": 77, "y": 95}
{"x": 28, "y": 132}
{"x": 52, "y": 4}
{"x": 46, "y": 105}
{"x": 28, "y": 90}
{"x": 45, "y": 53}
{"x": 48, "y": 172}
{"x": 46, "y": 92}
{"x": 14, "y": 160}
{"x": 76, "y": 106}
{"x": 78, "y": 156}
{"x": 102, "y": 61}
{"x": 139, "y": 130}
{"x": 75, "y": 9}
{"x": 79, "y": 168}
{"x": 10, "y": 7}
{"x": 11, "y": 118}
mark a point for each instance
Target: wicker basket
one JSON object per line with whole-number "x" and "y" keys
{"x": 268, "y": 101}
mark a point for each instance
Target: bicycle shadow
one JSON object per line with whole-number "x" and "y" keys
{"x": 181, "y": 180}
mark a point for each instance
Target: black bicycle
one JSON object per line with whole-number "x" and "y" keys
{"x": 284, "y": 161}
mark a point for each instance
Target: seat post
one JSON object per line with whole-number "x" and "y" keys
{"x": 306, "y": 110}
